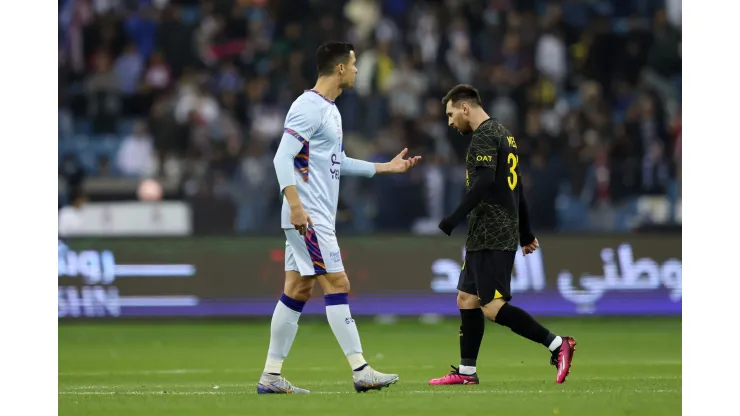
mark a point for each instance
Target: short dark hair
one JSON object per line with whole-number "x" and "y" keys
{"x": 330, "y": 54}
{"x": 462, "y": 92}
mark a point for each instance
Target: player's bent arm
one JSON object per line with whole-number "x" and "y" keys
{"x": 356, "y": 167}
{"x": 484, "y": 152}
{"x": 486, "y": 178}
{"x": 525, "y": 231}
{"x": 284, "y": 166}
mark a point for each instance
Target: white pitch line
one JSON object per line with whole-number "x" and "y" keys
{"x": 151, "y": 372}
{"x": 159, "y": 386}
{"x": 175, "y": 371}
{"x": 456, "y": 392}
{"x": 332, "y": 383}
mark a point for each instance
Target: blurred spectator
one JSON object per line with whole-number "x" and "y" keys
{"x": 676, "y": 131}
{"x": 197, "y": 111}
{"x": 673, "y": 9}
{"x": 136, "y": 154}
{"x": 128, "y": 68}
{"x": 74, "y": 16}
{"x": 625, "y": 163}
{"x": 252, "y": 182}
{"x": 104, "y": 95}
{"x": 70, "y": 216}
{"x": 205, "y": 34}
{"x": 550, "y": 58}
{"x": 541, "y": 189}
{"x": 105, "y": 6}
{"x": 228, "y": 78}
{"x": 364, "y": 15}
{"x": 104, "y": 169}
{"x": 170, "y": 139}
{"x": 157, "y": 76}
{"x": 141, "y": 29}
{"x": 407, "y": 84}
{"x": 72, "y": 171}
{"x": 174, "y": 38}
{"x": 655, "y": 170}
{"x": 664, "y": 61}
{"x": 664, "y": 56}
{"x": 459, "y": 57}
{"x": 196, "y": 106}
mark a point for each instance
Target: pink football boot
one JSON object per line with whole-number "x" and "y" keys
{"x": 562, "y": 358}
{"x": 454, "y": 378}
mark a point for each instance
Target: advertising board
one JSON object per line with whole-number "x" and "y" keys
{"x": 235, "y": 276}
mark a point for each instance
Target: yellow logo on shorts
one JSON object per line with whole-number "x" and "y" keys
{"x": 483, "y": 158}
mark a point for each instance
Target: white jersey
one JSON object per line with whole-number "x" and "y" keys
{"x": 314, "y": 121}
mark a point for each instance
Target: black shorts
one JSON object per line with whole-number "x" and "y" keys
{"x": 487, "y": 274}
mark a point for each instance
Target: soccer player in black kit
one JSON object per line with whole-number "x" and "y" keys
{"x": 498, "y": 223}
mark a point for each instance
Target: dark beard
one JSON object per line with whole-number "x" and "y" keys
{"x": 466, "y": 131}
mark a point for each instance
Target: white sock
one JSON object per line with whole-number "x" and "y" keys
{"x": 467, "y": 370}
{"x": 555, "y": 344}
{"x": 356, "y": 360}
{"x": 344, "y": 328}
{"x": 283, "y": 329}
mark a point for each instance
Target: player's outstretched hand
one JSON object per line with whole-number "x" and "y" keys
{"x": 531, "y": 247}
{"x": 401, "y": 165}
{"x": 300, "y": 220}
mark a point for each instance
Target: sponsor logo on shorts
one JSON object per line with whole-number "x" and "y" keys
{"x": 335, "y": 256}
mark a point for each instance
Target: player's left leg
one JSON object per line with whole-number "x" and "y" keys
{"x": 299, "y": 283}
{"x": 472, "y": 326}
{"x": 336, "y": 294}
{"x": 495, "y": 294}
{"x": 283, "y": 330}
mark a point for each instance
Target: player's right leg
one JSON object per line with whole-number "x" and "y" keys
{"x": 284, "y": 325}
{"x": 471, "y": 334}
{"x": 493, "y": 276}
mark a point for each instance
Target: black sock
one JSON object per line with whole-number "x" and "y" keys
{"x": 522, "y": 323}
{"x": 471, "y": 335}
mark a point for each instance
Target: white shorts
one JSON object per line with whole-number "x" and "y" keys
{"x": 315, "y": 253}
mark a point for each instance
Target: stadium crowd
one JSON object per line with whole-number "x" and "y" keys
{"x": 196, "y": 92}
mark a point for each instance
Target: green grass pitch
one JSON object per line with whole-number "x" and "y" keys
{"x": 628, "y": 366}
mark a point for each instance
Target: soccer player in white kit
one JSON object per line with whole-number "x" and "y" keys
{"x": 309, "y": 163}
